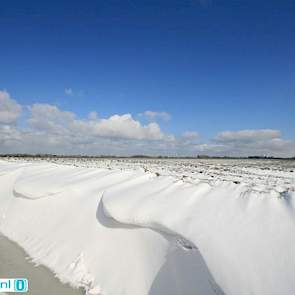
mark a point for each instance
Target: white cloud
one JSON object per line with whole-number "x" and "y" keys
{"x": 247, "y": 135}
{"x": 254, "y": 142}
{"x": 69, "y": 91}
{"x": 153, "y": 116}
{"x": 10, "y": 110}
{"x": 52, "y": 120}
{"x": 92, "y": 116}
{"x": 190, "y": 135}
{"x": 50, "y": 129}
{"x": 126, "y": 127}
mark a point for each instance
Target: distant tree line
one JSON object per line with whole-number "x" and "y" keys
{"x": 20, "y": 155}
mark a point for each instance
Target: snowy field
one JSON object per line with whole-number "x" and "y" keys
{"x": 155, "y": 226}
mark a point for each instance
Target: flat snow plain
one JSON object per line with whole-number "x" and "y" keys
{"x": 151, "y": 227}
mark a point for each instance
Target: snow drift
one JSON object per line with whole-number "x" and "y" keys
{"x": 131, "y": 232}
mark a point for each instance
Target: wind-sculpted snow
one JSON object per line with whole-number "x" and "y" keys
{"x": 260, "y": 175}
{"x": 245, "y": 237}
{"x": 118, "y": 231}
{"x": 61, "y": 224}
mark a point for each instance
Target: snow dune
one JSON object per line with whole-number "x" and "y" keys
{"x": 132, "y": 232}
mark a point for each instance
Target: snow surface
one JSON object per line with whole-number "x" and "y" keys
{"x": 137, "y": 227}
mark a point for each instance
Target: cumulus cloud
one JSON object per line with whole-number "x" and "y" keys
{"x": 92, "y": 116}
{"x": 52, "y": 120}
{"x": 254, "y": 142}
{"x": 190, "y": 135}
{"x": 241, "y": 143}
{"x": 52, "y": 130}
{"x": 247, "y": 135}
{"x": 10, "y": 110}
{"x": 153, "y": 116}
{"x": 126, "y": 127}
{"x": 49, "y": 129}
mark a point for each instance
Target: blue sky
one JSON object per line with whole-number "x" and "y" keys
{"x": 214, "y": 66}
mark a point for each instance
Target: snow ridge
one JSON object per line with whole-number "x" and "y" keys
{"x": 126, "y": 231}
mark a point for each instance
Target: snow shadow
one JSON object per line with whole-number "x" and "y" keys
{"x": 184, "y": 271}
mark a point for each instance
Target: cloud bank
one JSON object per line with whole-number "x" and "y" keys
{"x": 9, "y": 109}
{"x": 153, "y": 116}
{"x": 247, "y": 135}
{"x": 48, "y": 129}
